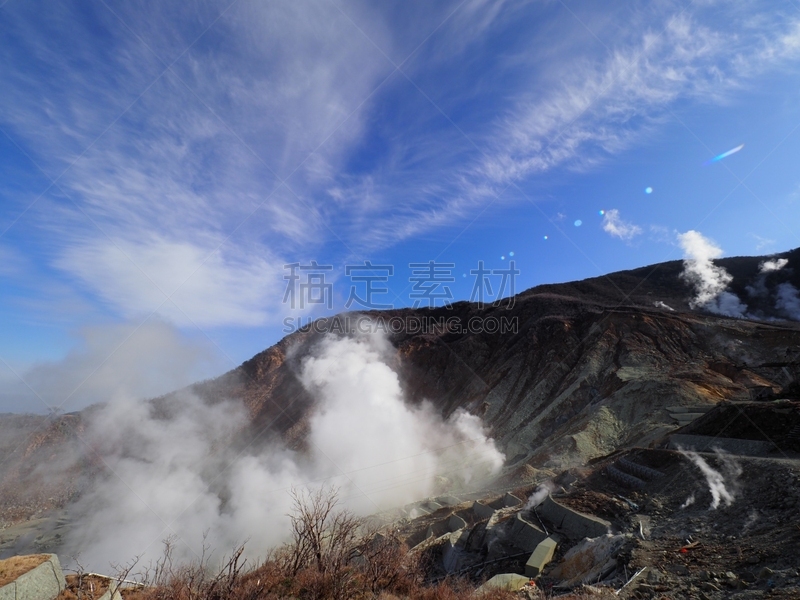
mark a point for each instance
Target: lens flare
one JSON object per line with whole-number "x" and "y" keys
{"x": 545, "y": 237}
{"x": 578, "y": 223}
{"x": 648, "y": 190}
{"x": 502, "y": 257}
{"x": 511, "y": 253}
{"x": 601, "y": 212}
{"x": 724, "y": 155}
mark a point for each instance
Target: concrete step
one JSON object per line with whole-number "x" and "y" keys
{"x": 637, "y": 470}
{"x": 624, "y": 479}
{"x": 703, "y": 408}
{"x": 686, "y": 417}
{"x": 707, "y": 443}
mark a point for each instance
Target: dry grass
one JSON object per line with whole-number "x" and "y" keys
{"x": 332, "y": 556}
{"x": 266, "y": 583}
{"x": 13, "y": 567}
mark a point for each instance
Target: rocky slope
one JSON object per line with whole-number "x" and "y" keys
{"x": 591, "y": 367}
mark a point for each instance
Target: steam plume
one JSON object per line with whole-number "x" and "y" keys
{"x": 758, "y": 289}
{"x": 788, "y": 301}
{"x": 768, "y": 266}
{"x": 709, "y": 280}
{"x": 113, "y": 361}
{"x": 662, "y": 304}
{"x": 172, "y": 469}
{"x": 538, "y": 495}
{"x": 360, "y": 395}
{"x": 722, "y": 485}
{"x": 752, "y": 519}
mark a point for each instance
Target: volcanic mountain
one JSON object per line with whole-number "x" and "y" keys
{"x": 588, "y": 367}
{"x": 592, "y": 366}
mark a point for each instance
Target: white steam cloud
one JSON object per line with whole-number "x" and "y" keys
{"x": 721, "y": 484}
{"x": 752, "y": 519}
{"x": 787, "y": 300}
{"x": 390, "y": 451}
{"x": 110, "y": 361}
{"x": 709, "y": 280}
{"x": 787, "y": 297}
{"x": 768, "y": 266}
{"x": 758, "y": 289}
{"x": 174, "y": 470}
{"x": 539, "y": 495}
{"x": 615, "y": 226}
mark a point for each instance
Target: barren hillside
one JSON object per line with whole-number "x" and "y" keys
{"x": 593, "y": 366}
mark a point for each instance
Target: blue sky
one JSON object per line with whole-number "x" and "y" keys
{"x": 162, "y": 162}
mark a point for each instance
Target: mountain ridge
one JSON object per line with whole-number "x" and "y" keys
{"x": 553, "y": 314}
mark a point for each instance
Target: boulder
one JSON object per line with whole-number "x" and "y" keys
{"x": 525, "y": 535}
{"x": 481, "y": 510}
{"x": 44, "y": 581}
{"x": 506, "y": 581}
{"x": 447, "y": 500}
{"x": 573, "y": 524}
{"x": 589, "y": 560}
{"x": 454, "y": 523}
{"x": 542, "y": 555}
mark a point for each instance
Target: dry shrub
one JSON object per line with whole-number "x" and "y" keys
{"x": 332, "y": 555}
{"x": 197, "y": 581}
{"x": 84, "y": 587}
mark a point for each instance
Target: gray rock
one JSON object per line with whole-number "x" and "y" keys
{"x": 44, "y": 582}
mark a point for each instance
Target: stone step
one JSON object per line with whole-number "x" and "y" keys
{"x": 637, "y": 470}
{"x": 703, "y": 408}
{"x": 624, "y": 479}
{"x": 686, "y": 417}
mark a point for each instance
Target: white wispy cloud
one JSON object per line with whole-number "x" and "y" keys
{"x": 576, "y": 104}
{"x": 615, "y": 226}
{"x": 187, "y": 282}
{"x": 762, "y": 243}
{"x": 194, "y": 162}
{"x": 603, "y": 106}
{"x": 170, "y": 163}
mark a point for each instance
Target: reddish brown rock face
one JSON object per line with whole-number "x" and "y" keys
{"x": 592, "y": 365}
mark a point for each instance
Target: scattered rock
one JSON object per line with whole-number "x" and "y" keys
{"x": 678, "y": 569}
{"x": 505, "y": 581}
{"x": 654, "y": 575}
{"x": 589, "y": 560}
{"x": 708, "y": 586}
